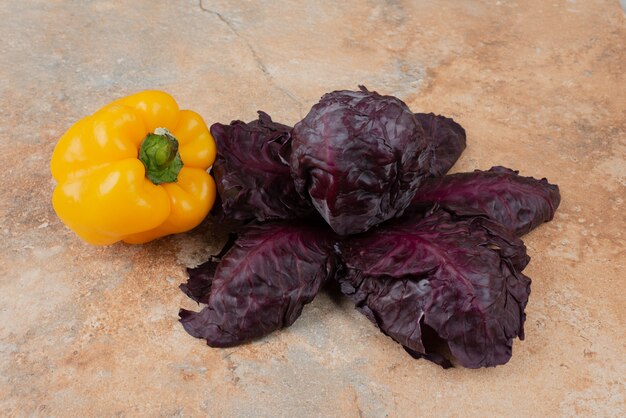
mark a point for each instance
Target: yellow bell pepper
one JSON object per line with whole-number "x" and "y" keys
{"x": 134, "y": 171}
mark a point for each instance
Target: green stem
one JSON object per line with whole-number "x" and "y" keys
{"x": 159, "y": 154}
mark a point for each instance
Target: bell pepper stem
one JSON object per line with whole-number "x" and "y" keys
{"x": 159, "y": 154}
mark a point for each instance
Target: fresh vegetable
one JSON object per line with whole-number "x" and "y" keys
{"x": 461, "y": 276}
{"x": 519, "y": 203}
{"x": 356, "y": 155}
{"x": 252, "y": 171}
{"x": 198, "y": 287}
{"x": 446, "y": 142}
{"x": 261, "y": 284}
{"x": 433, "y": 261}
{"x": 134, "y": 171}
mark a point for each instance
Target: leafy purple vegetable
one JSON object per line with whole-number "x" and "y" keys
{"x": 356, "y": 155}
{"x": 460, "y": 276}
{"x": 443, "y": 279}
{"x": 198, "y": 287}
{"x": 261, "y": 284}
{"x": 519, "y": 203}
{"x": 446, "y": 142}
{"x": 252, "y": 171}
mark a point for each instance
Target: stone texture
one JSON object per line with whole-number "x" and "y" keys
{"x": 538, "y": 85}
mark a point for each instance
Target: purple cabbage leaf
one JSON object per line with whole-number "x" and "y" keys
{"x": 519, "y": 203}
{"x": 198, "y": 287}
{"x": 261, "y": 284}
{"x": 446, "y": 141}
{"x": 453, "y": 278}
{"x": 252, "y": 171}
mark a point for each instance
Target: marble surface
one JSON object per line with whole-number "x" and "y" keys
{"x": 92, "y": 331}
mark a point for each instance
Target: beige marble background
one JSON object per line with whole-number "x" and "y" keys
{"x": 539, "y": 86}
